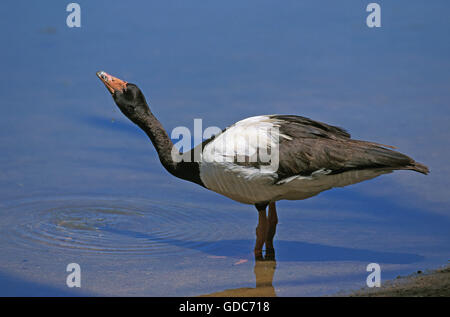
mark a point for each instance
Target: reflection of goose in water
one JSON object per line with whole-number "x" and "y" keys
{"x": 312, "y": 157}
{"x": 264, "y": 272}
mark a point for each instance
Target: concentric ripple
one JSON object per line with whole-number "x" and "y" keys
{"x": 125, "y": 226}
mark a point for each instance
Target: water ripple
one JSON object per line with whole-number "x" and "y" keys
{"x": 117, "y": 226}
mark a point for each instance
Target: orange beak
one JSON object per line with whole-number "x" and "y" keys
{"x": 112, "y": 83}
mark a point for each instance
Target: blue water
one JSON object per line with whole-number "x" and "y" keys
{"x": 80, "y": 183}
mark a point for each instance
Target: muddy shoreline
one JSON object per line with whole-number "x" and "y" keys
{"x": 433, "y": 283}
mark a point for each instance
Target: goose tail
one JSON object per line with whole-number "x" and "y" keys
{"x": 418, "y": 167}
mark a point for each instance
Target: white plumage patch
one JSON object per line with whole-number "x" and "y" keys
{"x": 253, "y": 140}
{"x": 247, "y": 140}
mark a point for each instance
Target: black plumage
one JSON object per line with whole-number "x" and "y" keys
{"x": 314, "y": 145}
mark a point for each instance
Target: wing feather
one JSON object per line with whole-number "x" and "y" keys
{"x": 315, "y": 146}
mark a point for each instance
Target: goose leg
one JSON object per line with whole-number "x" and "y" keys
{"x": 272, "y": 228}
{"x": 261, "y": 231}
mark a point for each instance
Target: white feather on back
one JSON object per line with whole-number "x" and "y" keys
{"x": 249, "y": 137}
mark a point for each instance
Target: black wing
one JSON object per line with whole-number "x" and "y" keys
{"x": 314, "y": 145}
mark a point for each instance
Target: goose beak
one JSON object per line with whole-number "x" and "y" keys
{"x": 112, "y": 83}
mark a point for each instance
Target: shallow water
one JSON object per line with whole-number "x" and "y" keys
{"x": 79, "y": 183}
{"x": 108, "y": 226}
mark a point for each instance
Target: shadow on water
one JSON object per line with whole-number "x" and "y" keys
{"x": 286, "y": 250}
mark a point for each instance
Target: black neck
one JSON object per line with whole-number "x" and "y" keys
{"x": 164, "y": 146}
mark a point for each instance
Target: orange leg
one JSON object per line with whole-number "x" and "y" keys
{"x": 271, "y": 230}
{"x": 261, "y": 232}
